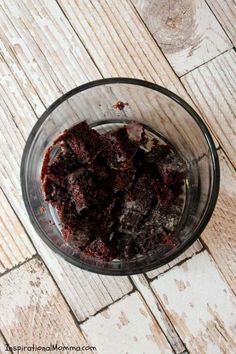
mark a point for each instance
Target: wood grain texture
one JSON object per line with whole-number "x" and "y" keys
{"x": 200, "y": 305}
{"x": 27, "y": 59}
{"x": 15, "y": 246}
{"x": 33, "y": 310}
{"x": 37, "y": 36}
{"x": 123, "y": 47}
{"x": 225, "y": 11}
{"x": 168, "y": 329}
{"x": 126, "y": 327}
{"x": 186, "y": 30}
{"x": 195, "y": 248}
{"x": 219, "y": 236}
{"x": 212, "y": 87}
{"x": 2, "y": 344}
{"x": 85, "y": 292}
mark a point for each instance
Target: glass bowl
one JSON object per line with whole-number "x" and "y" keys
{"x": 165, "y": 115}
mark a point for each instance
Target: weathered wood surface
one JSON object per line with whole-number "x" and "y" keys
{"x": 132, "y": 50}
{"x": 200, "y": 305}
{"x": 25, "y": 62}
{"x": 2, "y": 343}
{"x": 186, "y": 30}
{"x": 87, "y": 293}
{"x": 219, "y": 235}
{"x": 83, "y": 284}
{"x": 212, "y": 86}
{"x": 37, "y": 36}
{"x": 195, "y": 248}
{"x": 225, "y": 11}
{"x": 15, "y": 246}
{"x": 157, "y": 311}
{"x": 123, "y": 47}
{"x": 47, "y": 48}
{"x": 126, "y": 327}
{"x": 33, "y": 310}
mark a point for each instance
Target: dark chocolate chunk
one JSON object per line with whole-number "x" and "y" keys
{"x": 121, "y": 180}
{"x": 82, "y": 187}
{"x": 114, "y": 197}
{"x": 141, "y": 196}
{"x": 129, "y": 221}
{"x": 99, "y": 249}
{"x": 118, "y": 149}
{"x": 84, "y": 141}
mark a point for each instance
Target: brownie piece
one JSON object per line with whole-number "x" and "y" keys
{"x": 68, "y": 219}
{"x": 164, "y": 217}
{"x": 136, "y": 133}
{"x": 99, "y": 250}
{"x": 141, "y": 196}
{"x": 63, "y": 164}
{"x": 158, "y": 152}
{"x": 53, "y": 192}
{"x": 118, "y": 149}
{"x": 82, "y": 234}
{"x": 116, "y": 195}
{"x": 172, "y": 169}
{"x": 104, "y": 219}
{"x": 149, "y": 239}
{"x": 100, "y": 168}
{"x": 129, "y": 221}
{"x": 82, "y": 188}
{"x": 121, "y": 180}
{"x": 84, "y": 141}
{"x": 124, "y": 246}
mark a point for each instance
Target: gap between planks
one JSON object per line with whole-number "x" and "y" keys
{"x": 189, "y": 291}
{"x": 33, "y": 309}
{"x": 184, "y": 49}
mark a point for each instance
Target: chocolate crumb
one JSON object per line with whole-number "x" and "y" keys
{"x": 115, "y": 198}
{"x": 120, "y": 105}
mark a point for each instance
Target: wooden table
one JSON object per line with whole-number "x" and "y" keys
{"x": 48, "y": 47}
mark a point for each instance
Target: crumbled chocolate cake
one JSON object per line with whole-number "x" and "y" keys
{"x": 82, "y": 188}
{"x": 85, "y": 142}
{"x": 118, "y": 149}
{"x": 120, "y": 105}
{"x": 118, "y": 194}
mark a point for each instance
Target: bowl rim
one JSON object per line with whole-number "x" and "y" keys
{"x": 215, "y": 177}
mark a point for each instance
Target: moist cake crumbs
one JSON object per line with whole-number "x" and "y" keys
{"x": 118, "y": 194}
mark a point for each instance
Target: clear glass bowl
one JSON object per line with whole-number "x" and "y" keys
{"x": 164, "y": 114}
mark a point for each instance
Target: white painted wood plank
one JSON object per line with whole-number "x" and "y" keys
{"x": 123, "y": 47}
{"x": 126, "y": 327}
{"x": 15, "y": 246}
{"x": 219, "y": 236}
{"x": 36, "y": 35}
{"x": 145, "y": 290}
{"x": 86, "y": 293}
{"x": 212, "y": 87}
{"x": 69, "y": 279}
{"x": 2, "y": 344}
{"x": 33, "y": 310}
{"x": 225, "y": 11}
{"x": 200, "y": 305}
{"x": 186, "y": 30}
{"x": 196, "y": 247}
